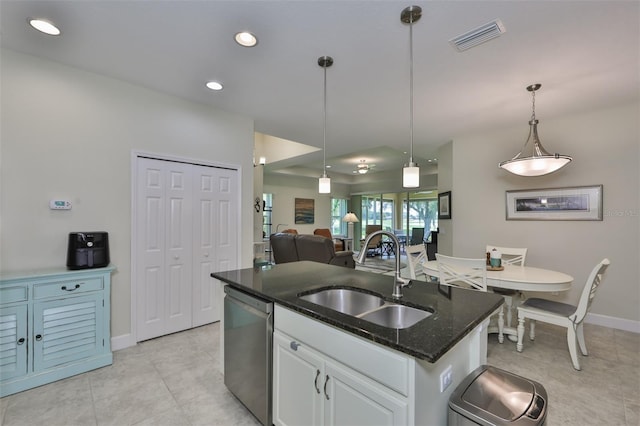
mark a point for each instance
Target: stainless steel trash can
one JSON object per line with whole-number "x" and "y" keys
{"x": 490, "y": 396}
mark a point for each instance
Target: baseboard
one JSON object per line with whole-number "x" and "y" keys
{"x": 613, "y": 322}
{"x": 122, "y": 342}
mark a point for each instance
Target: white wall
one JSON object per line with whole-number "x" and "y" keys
{"x": 605, "y": 146}
{"x": 69, "y": 134}
{"x": 286, "y": 189}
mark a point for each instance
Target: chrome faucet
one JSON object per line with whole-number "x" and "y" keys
{"x": 398, "y": 281}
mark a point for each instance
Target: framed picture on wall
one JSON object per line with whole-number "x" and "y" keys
{"x": 570, "y": 203}
{"x": 304, "y": 210}
{"x": 444, "y": 205}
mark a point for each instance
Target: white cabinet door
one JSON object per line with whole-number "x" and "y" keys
{"x": 298, "y": 379}
{"x": 352, "y": 399}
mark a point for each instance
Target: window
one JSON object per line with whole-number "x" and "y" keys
{"x": 267, "y": 204}
{"x": 422, "y": 212}
{"x": 377, "y": 210}
{"x": 338, "y": 210}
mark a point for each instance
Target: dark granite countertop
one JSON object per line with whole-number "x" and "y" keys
{"x": 456, "y": 311}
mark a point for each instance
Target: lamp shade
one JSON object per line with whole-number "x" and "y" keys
{"x": 534, "y": 160}
{"x": 324, "y": 184}
{"x": 350, "y": 218}
{"x": 411, "y": 176}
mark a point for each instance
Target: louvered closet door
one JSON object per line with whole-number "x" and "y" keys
{"x": 164, "y": 247}
{"x": 215, "y": 237}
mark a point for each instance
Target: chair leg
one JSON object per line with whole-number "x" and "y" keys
{"x": 501, "y": 325}
{"x": 520, "y": 333}
{"x": 532, "y": 330}
{"x": 572, "y": 342}
{"x": 581, "y": 342}
{"x": 508, "y": 300}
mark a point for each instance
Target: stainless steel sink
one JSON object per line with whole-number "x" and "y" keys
{"x": 396, "y": 316}
{"x": 368, "y": 307}
{"x": 344, "y": 300}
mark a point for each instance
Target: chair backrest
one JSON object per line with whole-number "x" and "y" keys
{"x": 417, "y": 236}
{"x": 589, "y": 291}
{"x": 290, "y": 231}
{"x": 511, "y": 255}
{"x": 462, "y": 272}
{"x": 325, "y": 232}
{"x": 416, "y": 256}
{"x": 375, "y": 240}
{"x": 283, "y": 246}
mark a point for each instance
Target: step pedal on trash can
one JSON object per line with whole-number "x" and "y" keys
{"x": 490, "y": 396}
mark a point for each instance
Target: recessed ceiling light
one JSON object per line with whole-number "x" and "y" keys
{"x": 44, "y": 26}
{"x": 246, "y": 39}
{"x": 214, "y": 85}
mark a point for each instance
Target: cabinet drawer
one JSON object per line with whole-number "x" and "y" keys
{"x": 13, "y": 294}
{"x": 67, "y": 288}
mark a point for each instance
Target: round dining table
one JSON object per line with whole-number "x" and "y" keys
{"x": 520, "y": 278}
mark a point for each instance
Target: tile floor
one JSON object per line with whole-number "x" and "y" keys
{"x": 174, "y": 380}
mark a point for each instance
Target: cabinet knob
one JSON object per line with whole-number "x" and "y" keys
{"x": 294, "y": 345}
{"x": 20, "y": 341}
{"x": 38, "y": 337}
{"x": 176, "y": 257}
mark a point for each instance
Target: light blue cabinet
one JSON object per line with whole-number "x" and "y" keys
{"x": 53, "y": 324}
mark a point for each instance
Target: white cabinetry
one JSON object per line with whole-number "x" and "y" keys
{"x": 313, "y": 389}
{"x": 325, "y": 376}
{"x": 53, "y": 325}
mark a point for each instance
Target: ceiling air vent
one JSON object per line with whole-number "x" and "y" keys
{"x": 478, "y": 35}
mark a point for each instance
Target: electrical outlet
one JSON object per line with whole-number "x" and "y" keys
{"x": 446, "y": 378}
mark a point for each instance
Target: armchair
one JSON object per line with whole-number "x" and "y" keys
{"x": 375, "y": 243}
{"x": 326, "y": 232}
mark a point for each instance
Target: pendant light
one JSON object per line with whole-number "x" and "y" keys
{"x": 539, "y": 162}
{"x": 324, "y": 183}
{"x": 411, "y": 171}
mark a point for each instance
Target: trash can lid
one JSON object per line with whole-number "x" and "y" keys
{"x": 494, "y": 396}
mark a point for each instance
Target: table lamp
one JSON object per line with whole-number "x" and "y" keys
{"x": 350, "y": 218}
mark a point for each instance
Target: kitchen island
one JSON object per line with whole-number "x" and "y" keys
{"x": 334, "y": 368}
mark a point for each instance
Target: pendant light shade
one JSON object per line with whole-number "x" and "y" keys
{"x": 411, "y": 171}
{"x": 324, "y": 183}
{"x": 533, "y": 159}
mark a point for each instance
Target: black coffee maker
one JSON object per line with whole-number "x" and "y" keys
{"x": 88, "y": 250}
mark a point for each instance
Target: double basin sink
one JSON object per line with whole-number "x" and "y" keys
{"x": 368, "y": 307}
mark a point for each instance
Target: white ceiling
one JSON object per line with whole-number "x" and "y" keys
{"x": 585, "y": 54}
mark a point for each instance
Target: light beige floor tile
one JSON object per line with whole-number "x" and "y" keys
{"x": 172, "y": 417}
{"x": 134, "y": 404}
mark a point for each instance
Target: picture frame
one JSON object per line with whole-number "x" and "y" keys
{"x": 304, "y": 211}
{"x": 569, "y": 203}
{"x": 444, "y": 205}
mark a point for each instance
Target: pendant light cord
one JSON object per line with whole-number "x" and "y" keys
{"x": 324, "y": 134}
{"x": 533, "y": 105}
{"x": 411, "y": 85}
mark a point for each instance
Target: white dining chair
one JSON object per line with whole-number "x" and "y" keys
{"x": 563, "y": 314}
{"x": 468, "y": 273}
{"x": 416, "y": 256}
{"x": 510, "y": 256}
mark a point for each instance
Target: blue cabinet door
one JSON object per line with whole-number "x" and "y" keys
{"x": 13, "y": 341}
{"x": 67, "y": 330}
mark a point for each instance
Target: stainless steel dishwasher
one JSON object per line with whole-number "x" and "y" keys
{"x": 248, "y": 343}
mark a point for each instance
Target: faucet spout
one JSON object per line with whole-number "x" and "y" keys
{"x": 398, "y": 281}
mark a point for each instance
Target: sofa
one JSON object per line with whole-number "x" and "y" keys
{"x": 292, "y": 248}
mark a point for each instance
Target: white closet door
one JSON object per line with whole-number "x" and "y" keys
{"x": 164, "y": 244}
{"x": 215, "y": 237}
